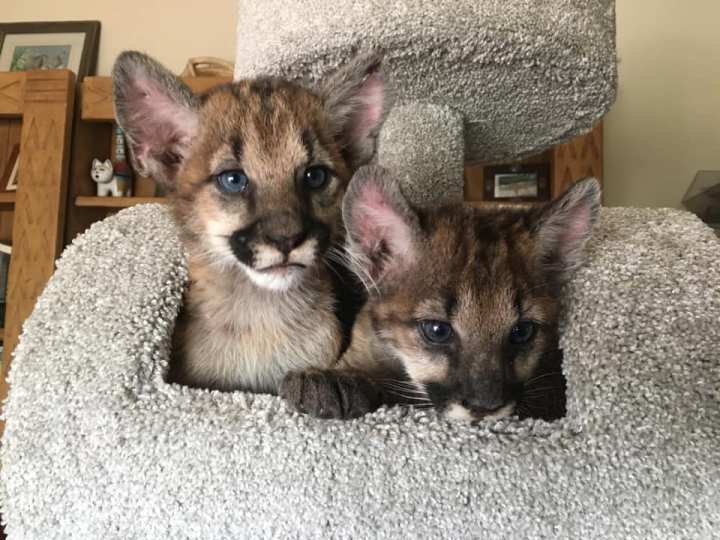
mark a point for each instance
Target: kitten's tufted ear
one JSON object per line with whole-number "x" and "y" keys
{"x": 383, "y": 230}
{"x": 565, "y": 225}
{"x": 158, "y": 114}
{"x": 357, "y": 102}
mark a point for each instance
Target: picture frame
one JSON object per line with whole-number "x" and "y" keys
{"x": 522, "y": 182}
{"x": 69, "y": 45}
{"x": 10, "y": 174}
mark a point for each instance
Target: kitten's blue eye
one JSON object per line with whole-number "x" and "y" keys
{"x": 437, "y": 332}
{"x": 232, "y": 181}
{"x": 316, "y": 177}
{"x": 522, "y": 332}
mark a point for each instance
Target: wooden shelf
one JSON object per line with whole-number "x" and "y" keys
{"x": 97, "y": 103}
{"x": 11, "y": 94}
{"x": 7, "y": 198}
{"x": 116, "y": 202}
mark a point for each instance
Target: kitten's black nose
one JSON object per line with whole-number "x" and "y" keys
{"x": 286, "y": 244}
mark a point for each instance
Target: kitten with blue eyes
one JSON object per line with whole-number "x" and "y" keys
{"x": 462, "y": 310}
{"x": 255, "y": 172}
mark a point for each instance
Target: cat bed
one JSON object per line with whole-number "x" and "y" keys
{"x": 484, "y": 81}
{"x": 97, "y": 445}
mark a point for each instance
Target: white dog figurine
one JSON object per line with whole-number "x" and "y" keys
{"x": 108, "y": 182}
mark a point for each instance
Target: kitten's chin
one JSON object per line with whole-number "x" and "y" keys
{"x": 277, "y": 278}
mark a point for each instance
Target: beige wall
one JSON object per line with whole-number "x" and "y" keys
{"x": 170, "y": 30}
{"x": 664, "y": 127}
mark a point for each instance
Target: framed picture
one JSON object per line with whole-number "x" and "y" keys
{"x": 9, "y": 177}
{"x": 526, "y": 182}
{"x": 69, "y": 45}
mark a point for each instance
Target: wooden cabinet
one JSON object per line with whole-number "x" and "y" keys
{"x": 36, "y": 111}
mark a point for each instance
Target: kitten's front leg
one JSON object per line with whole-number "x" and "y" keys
{"x": 332, "y": 393}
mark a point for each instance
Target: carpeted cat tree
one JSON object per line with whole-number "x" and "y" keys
{"x": 98, "y": 445}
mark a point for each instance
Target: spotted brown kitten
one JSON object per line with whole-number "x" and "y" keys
{"x": 463, "y": 306}
{"x": 255, "y": 172}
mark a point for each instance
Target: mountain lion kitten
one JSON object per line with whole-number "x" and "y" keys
{"x": 255, "y": 172}
{"x": 463, "y": 305}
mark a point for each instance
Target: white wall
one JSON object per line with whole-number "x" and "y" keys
{"x": 665, "y": 125}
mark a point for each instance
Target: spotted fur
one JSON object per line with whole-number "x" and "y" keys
{"x": 260, "y": 300}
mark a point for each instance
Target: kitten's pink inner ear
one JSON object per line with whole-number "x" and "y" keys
{"x": 160, "y": 122}
{"x": 566, "y": 232}
{"x": 377, "y": 223}
{"x": 577, "y": 224}
{"x": 369, "y": 113}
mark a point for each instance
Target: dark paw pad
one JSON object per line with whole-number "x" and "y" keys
{"x": 330, "y": 393}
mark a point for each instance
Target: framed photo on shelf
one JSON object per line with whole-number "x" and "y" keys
{"x": 525, "y": 182}
{"x": 31, "y": 46}
{"x": 8, "y": 181}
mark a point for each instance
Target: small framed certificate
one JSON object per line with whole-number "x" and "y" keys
{"x": 527, "y": 182}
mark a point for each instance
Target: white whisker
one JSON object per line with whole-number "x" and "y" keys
{"x": 355, "y": 262}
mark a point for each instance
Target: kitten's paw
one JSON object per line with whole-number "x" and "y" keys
{"x": 330, "y": 393}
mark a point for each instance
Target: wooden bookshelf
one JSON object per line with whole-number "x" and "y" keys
{"x": 116, "y": 202}
{"x": 36, "y": 112}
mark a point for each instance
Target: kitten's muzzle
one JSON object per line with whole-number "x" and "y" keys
{"x": 286, "y": 243}
{"x": 282, "y": 267}
{"x": 271, "y": 243}
{"x": 486, "y": 399}
{"x": 479, "y": 408}
{"x": 466, "y": 411}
